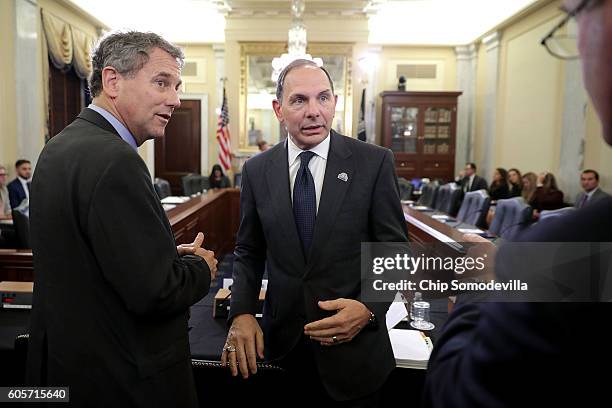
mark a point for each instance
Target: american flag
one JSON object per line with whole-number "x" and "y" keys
{"x": 223, "y": 136}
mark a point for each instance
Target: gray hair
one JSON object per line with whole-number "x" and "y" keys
{"x": 127, "y": 52}
{"x": 296, "y": 64}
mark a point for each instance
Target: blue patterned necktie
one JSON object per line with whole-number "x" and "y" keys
{"x": 305, "y": 201}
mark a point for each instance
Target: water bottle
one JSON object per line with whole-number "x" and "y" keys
{"x": 420, "y": 314}
{"x": 417, "y": 298}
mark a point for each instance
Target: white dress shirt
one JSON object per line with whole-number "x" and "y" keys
{"x": 468, "y": 186}
{"x": 316, "y": 165}
{"x": 24, "y": 184}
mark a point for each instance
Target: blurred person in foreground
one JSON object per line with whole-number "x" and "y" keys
{"x": 540, "y": 354}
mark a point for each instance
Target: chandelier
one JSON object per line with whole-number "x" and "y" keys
{"x": 297, "y": 42}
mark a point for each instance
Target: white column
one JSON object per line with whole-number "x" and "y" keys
{"x": 466, "y": 107}
{"x": 219, "y": 51}
{"x": 371, "y": 96}
{"x": 573, "y": 130}
{"x": 28, "y": 76}
{"x": 489, "y": 120}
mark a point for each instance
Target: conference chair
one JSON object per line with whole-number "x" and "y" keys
{"x": 204, "y": 183}
{"x": 21, "y": 222}
{"x": 193, "y": 184}
{"x": 162, "y": 188}
{"x": 449, "y": 196}
{"x": 552, "y": 214}
{"x": 474, "y": 208}
{"x": 429, "y": 195}
{"x": 237, "y": 180}
{"x": 511, "y": 217}
{"x": 405, "y": 188}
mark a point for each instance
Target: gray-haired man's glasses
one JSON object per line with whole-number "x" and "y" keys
{"x": 564, "y": 46}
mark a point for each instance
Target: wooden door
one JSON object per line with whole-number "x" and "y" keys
{"x": 178, "y": 152}
{"x": 65, "y": 98}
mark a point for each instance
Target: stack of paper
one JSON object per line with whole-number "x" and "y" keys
{"x": 174, "y": 200}
{"x": 411, "y": 348}
{"x": 470, "y": 230}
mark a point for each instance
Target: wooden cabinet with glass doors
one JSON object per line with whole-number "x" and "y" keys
{"x": 420, "y": 129}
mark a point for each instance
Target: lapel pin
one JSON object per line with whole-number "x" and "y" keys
{"x": 343, "y": 177}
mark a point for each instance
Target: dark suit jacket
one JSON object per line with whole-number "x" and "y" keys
{"x": 111, "y": 294}
{"x": 529, "y": 354}
{"x": 479, "y": 183}
{"x": 597, "y": 195}
{"x": 16, "y": 193}
{"x": 365, "y": 208}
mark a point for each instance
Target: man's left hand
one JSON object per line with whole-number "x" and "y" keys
{"x": 351, "y": 316}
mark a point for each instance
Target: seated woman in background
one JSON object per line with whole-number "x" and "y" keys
{"x": 547, "y": 195}
{"x": 499, "y": 189}
{"x": 516, "y": 184}
{"x": 217, "y": 179}
{"x": 530, "y": 183}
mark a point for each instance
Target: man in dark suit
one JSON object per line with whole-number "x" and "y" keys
{"x": 541, "y": 354}
{"x": 306, "y": 207}
{"x": 589, "y": 179}
{"x": 19, "y": 189}
{"x": 471, "y": 181}
{"x": 112, "y": 290}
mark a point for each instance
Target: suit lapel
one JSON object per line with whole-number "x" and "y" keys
{"x": 277, "y": 176}
{"x": 332, "y": 195}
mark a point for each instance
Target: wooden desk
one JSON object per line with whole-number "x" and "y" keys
{"x": 423, "y": 229}
{"x": 216, "y": 214}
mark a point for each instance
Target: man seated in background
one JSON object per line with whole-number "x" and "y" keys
{"x": 471, "y": 181}
{"x": 19, "y": 189}
{"x": 263, "y": 145}
{"x": 5, "y": 204}
{"x": 592, "y": 193}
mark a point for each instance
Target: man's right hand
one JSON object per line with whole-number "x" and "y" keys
{"x": 244, "y": 343}
{"x": 195, "y": 248}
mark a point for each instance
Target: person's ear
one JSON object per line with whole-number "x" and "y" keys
{"x": 111, "y": 81}
{"x": 277, "y": 110}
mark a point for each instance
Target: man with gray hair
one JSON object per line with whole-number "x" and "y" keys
{"x": 112, "y": 290}
{"x": 306, "y": 206}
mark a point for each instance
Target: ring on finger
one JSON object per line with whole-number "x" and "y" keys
{"x": 334, "y": 339}
{"x": 229, "y": 348}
